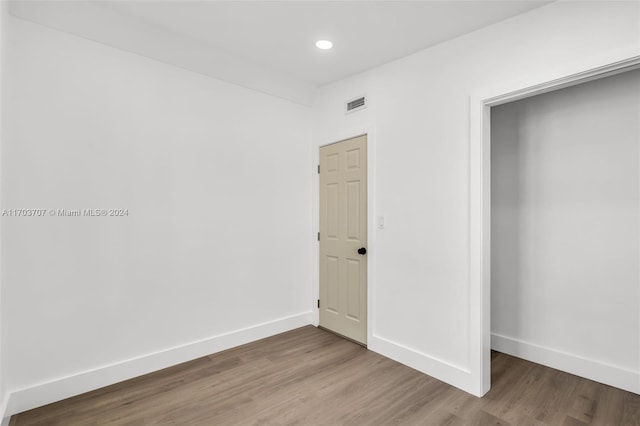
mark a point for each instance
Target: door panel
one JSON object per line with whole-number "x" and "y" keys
{"x": 343, "y": 230}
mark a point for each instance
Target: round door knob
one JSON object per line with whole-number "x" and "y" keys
{"x": 362, "y": 250}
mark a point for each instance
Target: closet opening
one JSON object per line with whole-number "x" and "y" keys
{"x": 565, "y": 229}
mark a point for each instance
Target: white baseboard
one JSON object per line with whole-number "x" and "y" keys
{"x": 4, "y": 417}
{"x": 598, "y": 371}
{"x": 454, "y": 375}
{"x": 56, "y": 390}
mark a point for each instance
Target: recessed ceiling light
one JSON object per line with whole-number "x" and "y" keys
{"x": 324, "y": 44}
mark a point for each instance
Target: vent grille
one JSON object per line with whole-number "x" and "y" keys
{"x": 356, "y": 104}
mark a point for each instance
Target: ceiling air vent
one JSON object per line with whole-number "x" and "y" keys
{"x": 356, "y": 104}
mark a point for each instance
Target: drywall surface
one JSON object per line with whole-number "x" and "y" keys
{"x": 566, "y": 221}
{"x": 214, "y": 178}
{"x": 3, "y": 346}
{"x": 419, "y": 111}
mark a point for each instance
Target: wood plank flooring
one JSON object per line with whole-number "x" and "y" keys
{"x": 311, "y": 377}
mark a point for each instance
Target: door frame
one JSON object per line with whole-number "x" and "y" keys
{"x": 350, "y": 133}
{"x": 481, "y": 101}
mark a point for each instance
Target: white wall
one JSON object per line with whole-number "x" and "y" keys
{"x": 214, "y": 251}
{"x": 419, "y": 110}
{"x": 565, "y": 226}
{"x": 3, "y": 358}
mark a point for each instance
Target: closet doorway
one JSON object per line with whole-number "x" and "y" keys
{"x": 565, "y": 227}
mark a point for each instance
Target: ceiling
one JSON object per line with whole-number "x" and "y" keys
{"x": 281, "y": 36}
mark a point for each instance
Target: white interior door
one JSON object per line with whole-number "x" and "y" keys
{"x": 343, "y": 238}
